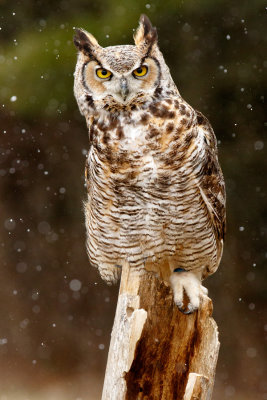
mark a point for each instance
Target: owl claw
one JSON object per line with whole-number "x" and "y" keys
{"x": 180, "y": 305}
{"x": 189, "y": 310}
{"x": 187, "y": 289}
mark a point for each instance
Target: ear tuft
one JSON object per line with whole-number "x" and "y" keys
{"x": 146, "y": 34}
{"x": 84, "y": 41}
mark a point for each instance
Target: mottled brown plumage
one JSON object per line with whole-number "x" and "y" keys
{"x": 156, "y": 193}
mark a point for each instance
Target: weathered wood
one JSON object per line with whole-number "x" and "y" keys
{"x": 197, "y": 387}
{"x": 156, "y": 352}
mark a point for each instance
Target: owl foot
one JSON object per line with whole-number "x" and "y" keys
{"x": 187, "y": 289}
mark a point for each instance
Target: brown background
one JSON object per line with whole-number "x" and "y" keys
{"x": 53, "y": 340}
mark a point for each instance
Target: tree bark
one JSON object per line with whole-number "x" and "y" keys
{"x": 156, "y": 352}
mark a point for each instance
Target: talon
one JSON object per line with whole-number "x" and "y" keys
{"x": 179, "y": 270}
{"x": 183, "y": 310}
{"x": 191, "y": 308}
{"x": 187, "y": 289}
{"x": 179, "y": 304}
{"x": 186, "y": 310}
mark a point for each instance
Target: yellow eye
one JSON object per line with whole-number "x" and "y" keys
{"x": 141, "y": 71}
{"x": 103, "y": 73}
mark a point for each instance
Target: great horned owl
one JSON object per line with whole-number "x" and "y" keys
{"x": 156, "y": 194}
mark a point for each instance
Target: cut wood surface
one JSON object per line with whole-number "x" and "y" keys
{"x": 156, "y": 352}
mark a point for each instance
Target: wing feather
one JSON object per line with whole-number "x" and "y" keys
{"x": 211, "y": 184}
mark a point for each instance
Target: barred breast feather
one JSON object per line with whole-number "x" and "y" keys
{"x": 156, "y": 194}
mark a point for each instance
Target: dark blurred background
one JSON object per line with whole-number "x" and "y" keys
{"x": 55, "y": 313}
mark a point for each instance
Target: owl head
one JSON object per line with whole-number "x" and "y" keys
{"x": 116, "y": 76}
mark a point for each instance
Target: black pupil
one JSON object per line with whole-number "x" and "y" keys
{"x": 139, "y": 70}
{"x": 104, "y": 72}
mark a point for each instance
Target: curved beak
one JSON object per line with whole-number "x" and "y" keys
{"x": 124, "y": 88}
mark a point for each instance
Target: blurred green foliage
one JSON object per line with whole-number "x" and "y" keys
{"x": 38, "y": 57}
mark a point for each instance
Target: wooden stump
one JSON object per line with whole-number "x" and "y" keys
{"x": 156, "y": 352}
